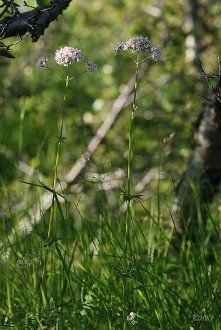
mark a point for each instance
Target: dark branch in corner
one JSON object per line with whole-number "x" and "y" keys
{"x": 33, "y": 22}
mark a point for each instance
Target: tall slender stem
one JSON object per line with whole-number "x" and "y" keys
{"x": 43, "y": 297}
{"x": 57, "y": 160}
{"x": 127, "y": 240}
{"x": 129, "y": 164}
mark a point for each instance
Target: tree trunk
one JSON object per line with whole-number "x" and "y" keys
{"x": 201, "y": 180}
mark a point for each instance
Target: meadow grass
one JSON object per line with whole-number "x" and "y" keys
{"x": 111, "y": 268}
{"x": 93, "y": 280}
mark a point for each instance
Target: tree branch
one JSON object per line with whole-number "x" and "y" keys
{"x": 34, "y": 21}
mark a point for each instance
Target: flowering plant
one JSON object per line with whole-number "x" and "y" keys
{"x": 138, "y": 44}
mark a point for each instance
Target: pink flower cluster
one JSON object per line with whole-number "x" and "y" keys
{"x": 137, "y": 44}
{"x": 68, "y": 55}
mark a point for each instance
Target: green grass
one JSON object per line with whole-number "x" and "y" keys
{"x": 96, "y": 275}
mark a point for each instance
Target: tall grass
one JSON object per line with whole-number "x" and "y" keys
{"x": 88, "y": 285}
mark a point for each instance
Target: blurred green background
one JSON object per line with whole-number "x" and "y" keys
{"x": 31, "y": 98}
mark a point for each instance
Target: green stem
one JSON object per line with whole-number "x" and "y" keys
{"x": 127, "y": 240}
{"x": 43, "y": 296}
{"x": 129, "y": 164}
{"x": 56, "y": 73}
{"x": 57, "y": 160}
{"x": 124, "y": 303}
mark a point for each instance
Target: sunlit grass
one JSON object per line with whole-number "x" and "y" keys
{"x": 92, "y": 281}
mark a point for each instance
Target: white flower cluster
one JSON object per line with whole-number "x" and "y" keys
{"x": 131, "y": 318}
{"x": 28, "y": 260}
{"x": 42, "y": 62}
{"x": 68, "y": 55}
{"x": 137, "y": 44}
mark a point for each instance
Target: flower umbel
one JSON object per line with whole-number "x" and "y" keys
{"x": 131, "y": 318}
{"x": 91, "y": 67}
{"x": 155, "y": 53}
{"x": 42, "y": 62}
{"x": 68, "y": 55}
{"x": 28, "y": 260}
{"x": 120, "y": 46}
{"x": 138, "y": 44}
